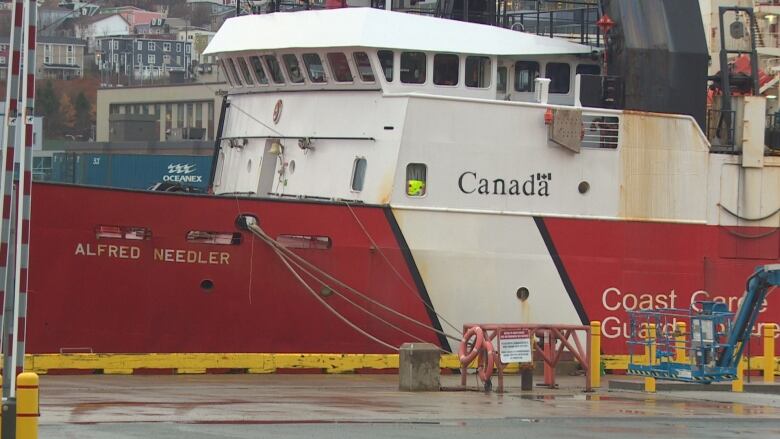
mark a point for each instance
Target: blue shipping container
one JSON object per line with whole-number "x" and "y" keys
{"x": 131, "y": 171}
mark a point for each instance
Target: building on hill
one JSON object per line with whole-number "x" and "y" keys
{"x": 51, "y": 18}
{"x": 99, "y": 26}
{"x": 125, "y": 60}
{"x": 162, "y": 26}
{"x": 56, "y": 57}
{"x": 133, "y": 15}
{"x": 174, "y": 112}
{"x": 80, "y": 8}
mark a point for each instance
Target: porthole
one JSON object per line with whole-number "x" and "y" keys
{"x": 358, "y": 174}
{"x": 523, "y": 293}
{"x": 583, "y": 187}
{"x": 291, "y": 167}
{"x": 207, "y": 285}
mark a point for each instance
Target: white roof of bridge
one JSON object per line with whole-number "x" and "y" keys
{"x": 375, "y": 28}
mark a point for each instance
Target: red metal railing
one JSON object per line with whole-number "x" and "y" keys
{"x": 548, "y": 343}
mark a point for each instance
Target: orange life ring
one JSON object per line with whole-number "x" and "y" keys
{"x": 487, "y": 359}
{"x": 465, "y": 354}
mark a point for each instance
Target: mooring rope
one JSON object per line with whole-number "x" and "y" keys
{"x": 304, "y": 263}
{"x": 387, "y": 260}
{"x": 329, "y": 307}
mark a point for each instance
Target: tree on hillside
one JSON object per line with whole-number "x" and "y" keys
{"x": 47, "y": 104}
{"x": 179, "y": 9}
{"x": 201, "y": 15}
{"x": 67, "y": 112}
{"x": 83, "y": 113}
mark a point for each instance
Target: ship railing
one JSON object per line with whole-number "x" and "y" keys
{"x": 574, "y": 20}
{"x": 577, "y": 25}
{"x": 600, "y": 130}
{"x": 772, "y": 132}
{"x": 721, "y": 127}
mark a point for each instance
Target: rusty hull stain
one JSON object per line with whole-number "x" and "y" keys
{"x": 664, "y": 165}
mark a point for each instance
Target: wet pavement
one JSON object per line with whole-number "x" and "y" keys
{"x": 330, "y": 406}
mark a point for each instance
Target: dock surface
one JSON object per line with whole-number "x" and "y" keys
{"x": 359, "y": 406}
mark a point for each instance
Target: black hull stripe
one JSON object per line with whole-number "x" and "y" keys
{"x": 575, "y": 299}
{"x": 404, "y": 247}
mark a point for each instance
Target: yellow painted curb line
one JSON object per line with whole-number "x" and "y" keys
{"x": 256, "y": 363}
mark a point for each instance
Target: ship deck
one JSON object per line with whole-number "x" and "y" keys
{"x": 357, "y": 406}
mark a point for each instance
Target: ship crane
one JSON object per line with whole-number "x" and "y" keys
{"x": 713, "y": 348}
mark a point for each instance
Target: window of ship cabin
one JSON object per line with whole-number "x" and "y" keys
{"x": 358, "y": 173}
{"x": 560, "y": 76}
{"x": 386, "y": 61}
{"x": 293, "y": 68}
{"x": 257, "y": 66}
{"x": 588, "y": 69}
{"x": 233, "y": 72}
{"x": 245, "y": 71}
{"x": 314, "y": 67}
{"x": 274, "y": 69}
{"x": 340, "y": 67}
{"x": 416, "y": 179}
{"x": 363, "y": 66}
{"x": 501, "y": 85}
{"x": 446, "y": 69}
{"x": 413, "y": 67}
{"x": 224, "y": 69}
{"x": 478, "y": 71}
{"x": 526, "y": 73}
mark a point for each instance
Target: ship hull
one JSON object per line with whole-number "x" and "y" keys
{"x": 165, "y": 294}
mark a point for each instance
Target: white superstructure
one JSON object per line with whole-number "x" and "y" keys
{"x": 441, "y": 121}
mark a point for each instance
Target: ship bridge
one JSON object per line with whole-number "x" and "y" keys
{"x": 369, "y": 49}
{"x": 366, "y": 105}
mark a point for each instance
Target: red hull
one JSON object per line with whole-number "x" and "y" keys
{"x": 617, "y": 265}
{"x": 137, "y": 305}
{"x": 147, "y": 298}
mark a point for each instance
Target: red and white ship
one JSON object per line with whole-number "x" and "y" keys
{"x": 420, "y": 162}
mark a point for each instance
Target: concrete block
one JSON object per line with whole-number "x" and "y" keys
{"x": 418, "y": 367}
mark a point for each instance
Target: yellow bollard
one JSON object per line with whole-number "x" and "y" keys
{"x": 738, "y": 385}
{"x": 680, "y": 351}
{"x": 650, "y": 355}
{"x": 769, "y": 353}
{"x": 27, "y": 406}
{"x": 595, "y": 354}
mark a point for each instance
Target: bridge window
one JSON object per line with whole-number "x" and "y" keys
{"x": 293, "y": 68}
{"x": 446, "y": 68}
{"x": 233, "y": 72}
{"x": 245, "y": 71}
{"x": 478, "y": 71}
{"x": 227, "y": 75}
{"x": 386, "y": 61}
{"x": 526, "y": 73}
{"x": 358, "y": 174}
{"x": 501, "y": 85}
{"x": 413, "y": 67}
{"x": 416, "y": 179}
{"x": 314, "y": 67}
{"x": 363, "y": 67}
{"x": 259, "y": 71}
{"x": 588, "y": 69}
{"x": 274, "y": 69}
{"x": 559, "y": 74}
{"x": 340, "y": 67}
